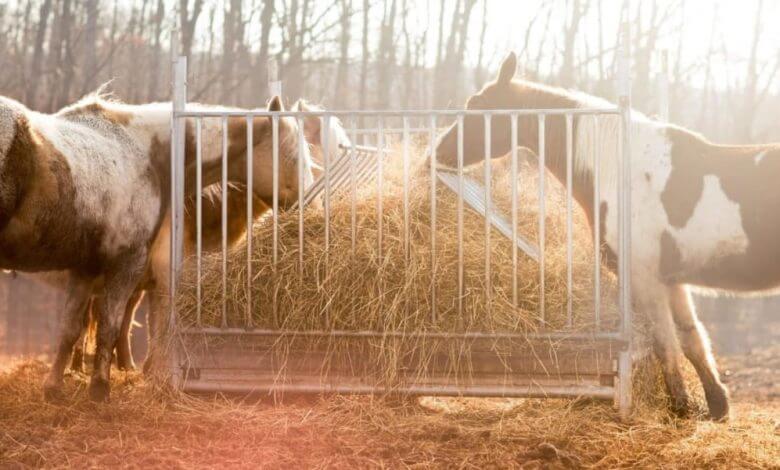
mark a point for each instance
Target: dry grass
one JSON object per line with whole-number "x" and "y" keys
{"x": 373, "y": 289}
{"x": 146, "y": 428}
{"x": 387, "y": 286}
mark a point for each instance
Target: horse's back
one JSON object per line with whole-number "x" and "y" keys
{"x": 89, "y": 196}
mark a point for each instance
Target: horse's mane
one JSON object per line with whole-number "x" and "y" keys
{"x": 95, "y": 100}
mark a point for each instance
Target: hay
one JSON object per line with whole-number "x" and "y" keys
{"x": 145, "y": 428}
{"x": 379, "y": 288}
{"x": 384, "y": 290}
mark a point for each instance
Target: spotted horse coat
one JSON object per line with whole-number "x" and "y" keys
{"x": 85, "y": 191}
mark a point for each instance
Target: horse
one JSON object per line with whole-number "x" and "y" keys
{"x": 312, "y": 128}
{"x": 704, "y": 214}
{"x": 211, "y": 231}
{"x": 86, "y": 190}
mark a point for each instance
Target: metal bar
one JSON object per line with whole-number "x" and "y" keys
{"x": 380, "y": 183}
{"x": 301, "y": 183}
{"x": 625, "y": 367}
{"x": 460, "y": 220}
{"x": 324, "y": 135}
{"x": 596, "y": 226}
{"x": 353, "y": 186}
{"x": 411, "y": 113}
{"x": 542, "y": 174}
{"x": 488, "y": 203}
{"x": 474, "y": 195}
{"x": 623, "y": 387}
{"x": 249, "y": 217}
{"x": 275, "y": 211}
{"x": 224, "y": 217}
{"x": 432, "y": 143}
{"x": 406, "y": 188}
{"x": 178, "y": 131}
{"x": 546, "y": 336}
{"x": 199, "y": 214}
{"x": 569, "y": 217}
{"x": 514, "y": 182}
{"x": 530, "y": 391}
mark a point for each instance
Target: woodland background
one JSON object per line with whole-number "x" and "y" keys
{"x": 380, "y": 54}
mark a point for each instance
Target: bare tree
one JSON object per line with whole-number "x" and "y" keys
{"x": 35, "y": 73}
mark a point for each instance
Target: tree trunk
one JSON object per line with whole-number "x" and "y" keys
{"x": 35, "y": 73}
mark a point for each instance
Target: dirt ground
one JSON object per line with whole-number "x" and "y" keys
{"x": 143, "y": 427}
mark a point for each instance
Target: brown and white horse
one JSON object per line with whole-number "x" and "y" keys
{"x": 704, "y": 215}
{"x": 85, "y": 191}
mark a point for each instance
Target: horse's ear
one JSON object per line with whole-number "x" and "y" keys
{"x": 275, "y": 104}
{"x": 508, "y": 69}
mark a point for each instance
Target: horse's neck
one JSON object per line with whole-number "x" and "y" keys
{"x": 594, "y": 141}
{"x": 151, "y": 126}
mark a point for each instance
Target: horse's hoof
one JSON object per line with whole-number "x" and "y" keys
{"x": 127, "y": 367}
{"x": 718, "y": 404}
{"x": 53, "y": 393}
{"x": 99, "y": 390}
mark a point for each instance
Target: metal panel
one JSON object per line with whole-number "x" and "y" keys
{"x": 474, "y": 195}
{"x": 548, "y": 363}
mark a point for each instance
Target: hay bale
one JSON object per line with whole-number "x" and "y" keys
{"x": 384, "y": 290}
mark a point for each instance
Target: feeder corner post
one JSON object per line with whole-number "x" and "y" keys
{"x": 178, "y": 129}
{"x": 623, "y": 387}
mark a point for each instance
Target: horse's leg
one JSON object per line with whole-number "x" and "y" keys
{"x": 77, "y": 362}
{"x": 124, "y": 353}
{"x": 697, "y": 348}
{"x": 120, "y": 283}
{"x": 666, "y": 344}
{"x": 158, "y": 303}
{"x": 78, "y": 295}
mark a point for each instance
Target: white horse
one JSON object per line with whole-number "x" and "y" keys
{"x": 704, "y": 215}
{"x": 86, "y": 190}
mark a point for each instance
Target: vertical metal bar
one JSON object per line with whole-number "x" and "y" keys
{"x": 275, "y": 210}
{"x": 569, "y": 218}
{"x": 324, "y": 136}
{"x": 625, "y": 366}
{"x": 249, "y": 217}
{"x": 432, "y": 143}
{"x": 380, "y": 181}
{"x": 301, "y": 183}
{"x": 460, "y": 219}
{"x": 199, "y": 213}
{"x": 177, "y": 175}
{"x": 542, "y": 216}
{"x": 514, "y": 183}
{"x": 224, "y": 217}
{"x": 406, "y": 188}
{"x": 353, "y": 184}
{"x": 596, "y": 224}
{"x": 488, "y": 201}
{"x": 178, "y": 130}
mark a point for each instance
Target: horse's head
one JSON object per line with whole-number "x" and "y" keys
{"x": 312, "y": 129}
{"x": 502, "y": 93}
{"x": 292, "y": 152}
